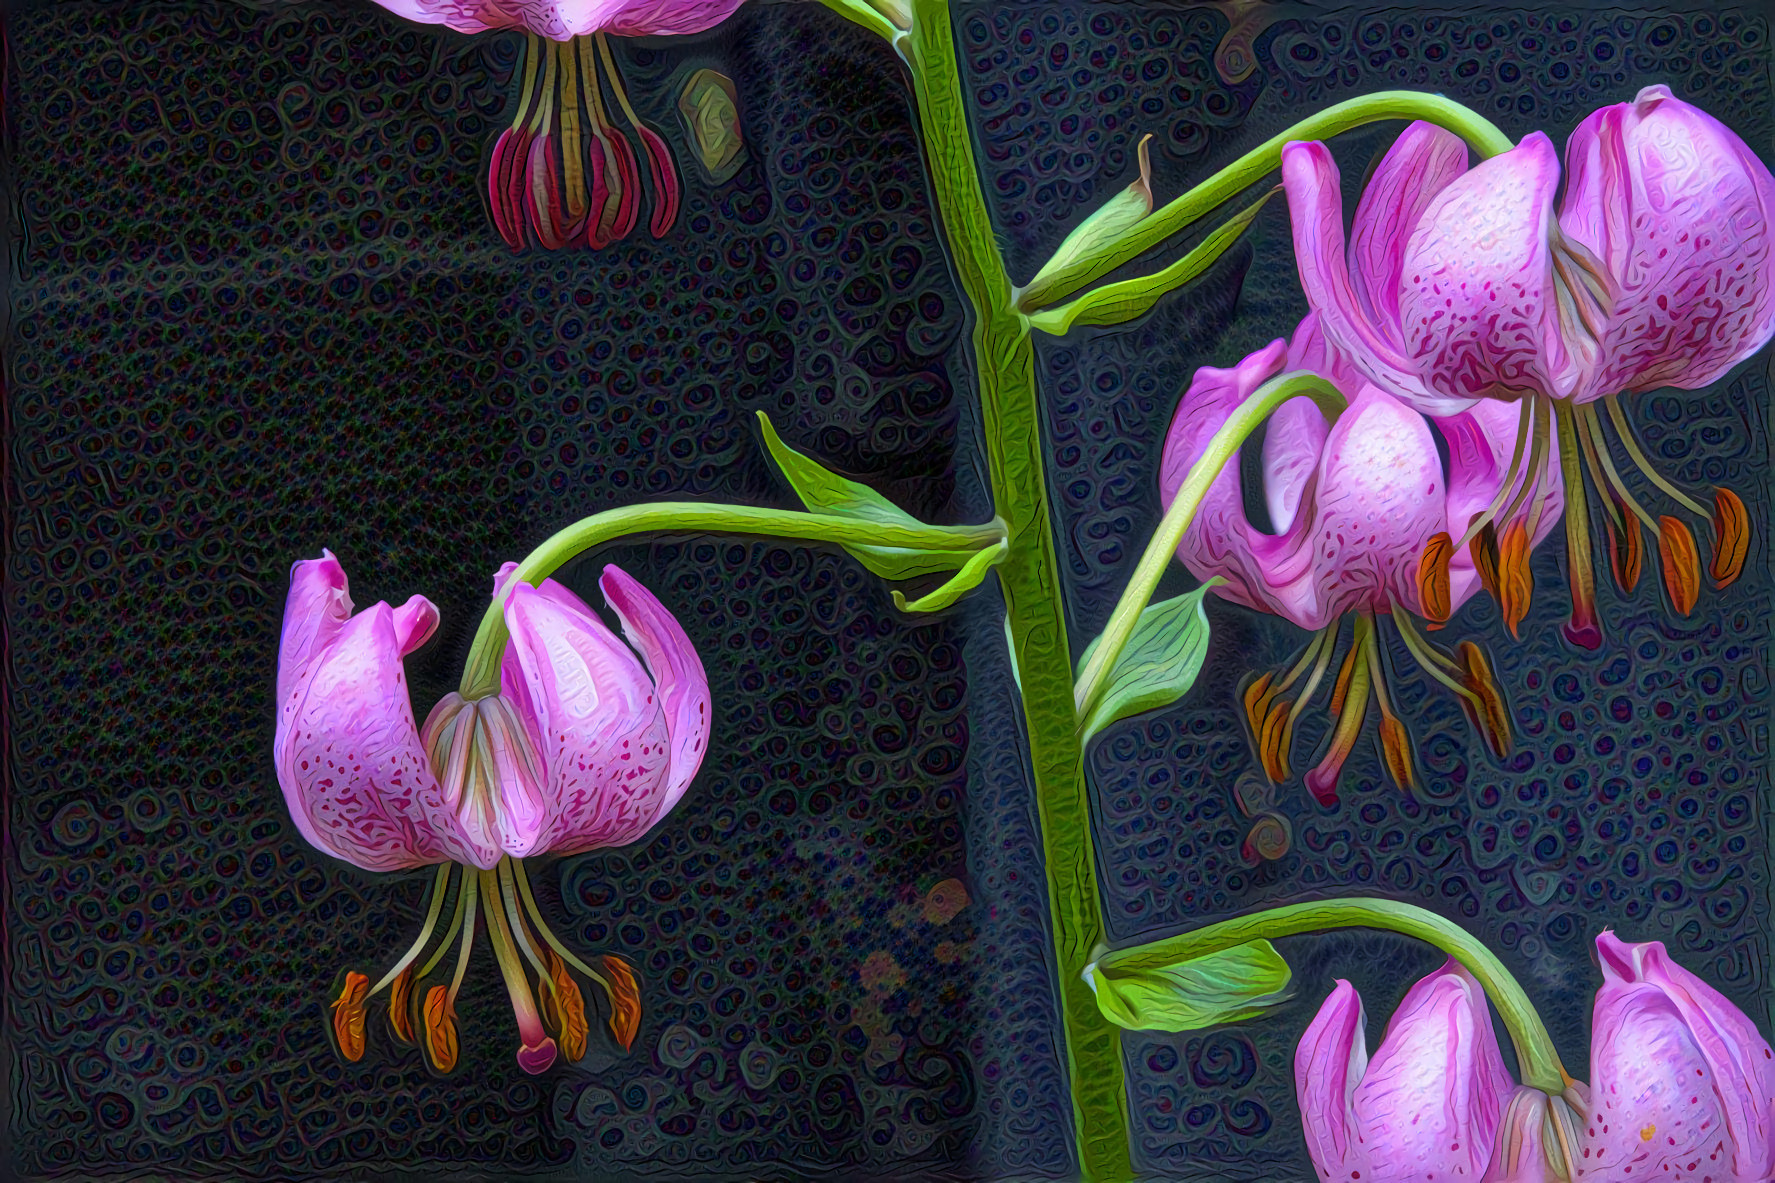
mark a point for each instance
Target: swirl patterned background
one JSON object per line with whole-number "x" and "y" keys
{"x": 257, "y": 308}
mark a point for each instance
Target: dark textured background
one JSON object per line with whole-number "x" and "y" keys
{"x": 257, "y": 309}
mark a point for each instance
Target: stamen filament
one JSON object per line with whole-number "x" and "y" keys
{"x": 1593, "y": 465}
{"x": 536, "y": 1049}
{"x": 1353, "y": 679}
{"x": 545, "y": 107}
{"x": 554, "y": 942}
{"x": 1537, "y": 461}
{"x": 439, "y": 886}
{"x": 508, "y": 894}
{"x": 1395, "y": 740}
{"x": 468, "y": 936}
{"x": 572, "y": 164}
{"x": 1524, "y": 425}
{"x": 615, "y": 79}
{"x": 1600, "y": 443}
{"x": 1428, "y": 658}
{"x": 454, "y": 927}
{"x": 1619, "y": 418}
{"x": 531, "y": 53}
{"x": 1541, "y": 495}
{"x": 1328, "y": 643}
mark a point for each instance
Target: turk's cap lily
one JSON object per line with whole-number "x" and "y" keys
{"x": 1355, "y": 502}
{"x": 581, "y": 748}
{"x": 1682, "y": 1084}
{"x": 1652, "y": 270}
{"x": 563, "y": 19}
{"x": 1430, "y": 1103}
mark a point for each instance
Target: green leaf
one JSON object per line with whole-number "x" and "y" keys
{"x": 1114, "y": 218}
{"x": 967, "y": 579}
{"x": 1225, "y": 987}
{"x": 824, "y": 491}
{"x": 1123, "y": 301}
{"x": 1159, "y": 663}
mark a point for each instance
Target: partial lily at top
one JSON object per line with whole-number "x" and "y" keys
{"x": 1651, "y": 270}
{"x": 565, "y": 172}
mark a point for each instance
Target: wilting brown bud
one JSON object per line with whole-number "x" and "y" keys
{"x": 1731, "y": 537}
{"x": 1492, "y": 719}
{"x": 625, "y": 1000}
{"x": 1396, "y": 747}
{"x": 1275, "y": 740}
{"x": 1626, "y": 558}
{"x": 1515, "y": 583}
{"x": 564, "y": 1009}
{"x": 1433, "y": 591}
{"x": 440, "y": 1029}
{"x": 1268, "y": 840}
{"x": 1484, "y": 549}
{"x": 1682, "y": 566}
{"x": 400, "y": 1005}
{"x": 348, "y": 1016}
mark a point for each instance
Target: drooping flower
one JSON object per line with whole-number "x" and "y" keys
{"x": 580, "y": 748}
{"x": 1427, "y": 1107}
{"x": 564, "y": 173}
{"x": 1365, "y": 522}
{"x": 1654, "y": 271}
{"x": 1682, "y": 1084}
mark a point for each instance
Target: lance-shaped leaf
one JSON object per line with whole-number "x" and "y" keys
{"x": 1123, "y": 301}
{"x": 965, "y": 580}
{"x": 1117, "y": 216}
{"x": 1225, "y": 987}
{"x": 1160, "y": 662}
{"x": 824, "y": 491}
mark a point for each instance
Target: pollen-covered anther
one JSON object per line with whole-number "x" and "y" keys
{"x": 1490, "y": 714}
{"x": 1396, "y": 747}
{"x": 564, "y": 1009}
{"x": 1626, "y": 553}
{"x": 400, "y": 1005}
{"x": 348, "y": 1016}
{"x": 1275, "y": 739}
{"x": 440, "y": 1029}
{"x": 625, "y": 1000}
{"x": 1682, "y": 565}
{"x": 1515, "y": 583}
{"x": 1484, "y": 549}
{"x": 1433, "y": 579}
{"x": 1731, "y": 537}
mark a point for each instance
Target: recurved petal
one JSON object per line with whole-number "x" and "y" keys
{"x": 1479, "y": 307}
{"x": 682, "y": 687}
{"x": 645, "y": 18}
{"x": 1679, "y": 1075}
{"x": 1432, "y": 1099}
{"x": 601, "y": 734}
{"x": 1328, "y": 1066}
{"x": 1419, "y": 165}
{"x": 1315, "y": 209}
{"x": 349, "y": 760}
{"x": 318, "y": 606}
{"x": 1678, "y": 209}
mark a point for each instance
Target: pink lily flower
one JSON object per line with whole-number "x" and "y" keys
{"x": 1461, "y": 285}
{"x": 1365, "y": 525}
{"x": 1427, "y": 1108}
{"x": 1682, "y": 1084}
{"x": 580, "y": 748}
{"x": 564, "y": 172}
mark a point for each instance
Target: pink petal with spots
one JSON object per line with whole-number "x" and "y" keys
{"x": 1433, "y": 1097}
{"x": 1374, "y": 346}
{"x": 682, "y": 686}
{"x": 1682, "y": 1083}
{"x": 1421, "y": 163}
{"x": 601, "y": 733}
{"x": 348, "y": 756}
{"x": 561, "y": 19}
{"x": 1328, "y": 1065}
{"x": 1479, "y": 307}
{"x": 1678, "y": 210}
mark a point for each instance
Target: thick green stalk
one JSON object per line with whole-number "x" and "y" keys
{"x": 1163, "y": 544}
{"x": 1535, "y": 1054}
{"x": 1480, "y": 133}
{"x": 480, "y": 676}
{"x": 1004, "y": 362}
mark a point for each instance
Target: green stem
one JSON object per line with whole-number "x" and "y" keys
{"x": 1004, "y": 361}
{"x": 1480, "y": 133}
{"x": 1225, "y": 442}
{"x": 1535, "y": 1054}
{"x": 480, "y": 677}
